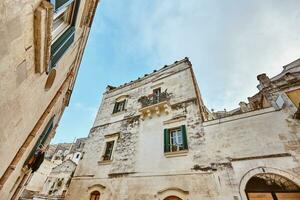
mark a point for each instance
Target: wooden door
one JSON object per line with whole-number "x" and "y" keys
{"x": 260, "y": 196}
{"x": 288, "y": 196}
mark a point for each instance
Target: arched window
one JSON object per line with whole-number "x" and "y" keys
{"x": 95, "y": 195}
{"x": 270, "y": 186}
{"x": 172, "y": 198}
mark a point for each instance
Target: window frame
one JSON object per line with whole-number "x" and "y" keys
{"x": 156, "y": 94}
{"x": 61, "y": 41}
{"x": 66, "y": 22}
{"x": 176, "y": 133}
{"x": 117, "y": 106}
{"x": 168, "y": 140}
{"x": 109, "y": 138}
{"x": 107, "y": 156}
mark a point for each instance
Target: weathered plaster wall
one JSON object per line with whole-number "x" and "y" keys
{"x": 222, "y": 153}
{"x": 38, "y": 179}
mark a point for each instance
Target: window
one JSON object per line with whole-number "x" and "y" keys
{"x": 108, "y": 150}
{"x": 156, "y": 95}
{"x": 175, "y": 139}
{"x": 63, "y": 31}
{"x": 95, "y": 195}
{"x": 119, "y": 106}
{"x": 62, "y": 21}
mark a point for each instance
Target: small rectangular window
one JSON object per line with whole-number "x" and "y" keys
{"x": 175, "y": 139}
{"x": 156, "y": 95}
{"x": 108, "y": 150}
{"x": 176, "y": 142}
{"x": 62, "y": 21}
{"x": 119, "y": 106}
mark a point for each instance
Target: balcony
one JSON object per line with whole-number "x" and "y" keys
{"x": 154, "y": 104}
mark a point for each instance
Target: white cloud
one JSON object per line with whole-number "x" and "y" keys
{"x": 229, "y": 42}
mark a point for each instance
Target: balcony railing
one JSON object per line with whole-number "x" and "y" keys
{"x": 153, "y": 99}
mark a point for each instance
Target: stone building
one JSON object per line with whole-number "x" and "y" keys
{"x": 57, "y": 183}
{"x": 154, "y": 138}
{"x": 41, "y": 46}
{"x": 51, "y": 180}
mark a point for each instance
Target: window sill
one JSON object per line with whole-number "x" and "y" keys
{"x": 104, "y": 162}
{"x": 176, "y": 153}
{"x": 118, "y": 113}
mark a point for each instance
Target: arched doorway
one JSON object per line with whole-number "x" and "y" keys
{"x": 95, "y": 195}
{"x": 269, "y": 186}
{"x": 172, "y": 198}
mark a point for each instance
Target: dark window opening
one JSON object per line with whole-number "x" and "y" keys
{"x": 119, "y": 106}
{"x": 95, "y": 195}
{"x": 156, "y": 95}
{"x": 108, "y": 150}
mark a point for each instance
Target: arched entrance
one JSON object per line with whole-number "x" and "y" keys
{"x": 95, "y": 195}
{"x": 269, "y": 186}
{"x": 172, "y": 198}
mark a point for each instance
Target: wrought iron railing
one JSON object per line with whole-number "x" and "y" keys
{"x": 153, "y": 99}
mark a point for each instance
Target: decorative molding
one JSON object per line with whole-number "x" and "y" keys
{"x": 174, "y": 120}
{"x": 173, "y": 188}
{"x": 96, "y": 187}
{"x": 122, "y": 98}
{"x": 89, "y": 13}
{"x": 43, "y": 21}
{"x": 173, "y": 191}
{"x": 113, "y": 136}
{"x": 157, "y": 85}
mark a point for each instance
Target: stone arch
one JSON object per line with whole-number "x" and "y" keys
{"x": 95, "y": 195}
{"x": 94, "y": 189}
{"x": 265, "y": 170}
{"x": 172, "y": 198}
{"x": 173, "y": 192}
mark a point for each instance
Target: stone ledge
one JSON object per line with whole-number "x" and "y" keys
{"x": 104, "y": 162}
{"x": 176, "y": 154}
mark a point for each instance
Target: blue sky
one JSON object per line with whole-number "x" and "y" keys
{"x": 228, "y": 42}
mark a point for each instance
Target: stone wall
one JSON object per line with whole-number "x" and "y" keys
{"x": 223, "y": 154}
{"x": 24, "y": 101}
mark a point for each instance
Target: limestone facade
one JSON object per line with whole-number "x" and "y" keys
{"x": 126, "y": 156}
{"x": 37, "y": 76}
{"x": 52, "y": 179}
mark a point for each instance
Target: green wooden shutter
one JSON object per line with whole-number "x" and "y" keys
{"x": 166, "y": 141}
{"x": 42, "y": 139}
{"x": 184, "y": 137}
{"x": 61, "y": 45}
